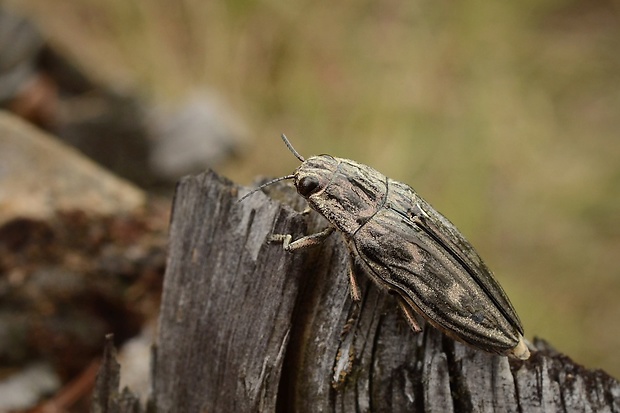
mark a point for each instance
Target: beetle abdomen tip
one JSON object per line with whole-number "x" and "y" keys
{"x": 520, "y": 351}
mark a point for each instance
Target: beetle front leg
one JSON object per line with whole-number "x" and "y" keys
{"x": 308, "y": 241}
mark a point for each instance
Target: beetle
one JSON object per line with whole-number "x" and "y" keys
{"x": 406, "y": 248}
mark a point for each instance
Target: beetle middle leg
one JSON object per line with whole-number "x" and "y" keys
{"x": 356, "y": 293}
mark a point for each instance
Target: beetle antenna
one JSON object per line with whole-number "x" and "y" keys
{"x": 273, "y": 181}
{"x": 290, "y": 147}
{"x": 282, "y": 178}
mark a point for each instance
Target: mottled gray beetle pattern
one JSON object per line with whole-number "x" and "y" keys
{"x": 407, "y": 248}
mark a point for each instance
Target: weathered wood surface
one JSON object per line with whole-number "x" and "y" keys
{"x": 246, "y": 327}
{"x": 106, "y": 396}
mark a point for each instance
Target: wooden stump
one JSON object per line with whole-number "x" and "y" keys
{"x": 247, "y": 327}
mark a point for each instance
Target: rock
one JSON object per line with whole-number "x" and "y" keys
{"x": 24, "y": 388}
{"x": 198, "y": 134}
{"x": 40, "y": 177}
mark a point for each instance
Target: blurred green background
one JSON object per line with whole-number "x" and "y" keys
{"x": 504, "y": 115}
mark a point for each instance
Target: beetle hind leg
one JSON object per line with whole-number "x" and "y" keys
{"x": 409, "y": 315}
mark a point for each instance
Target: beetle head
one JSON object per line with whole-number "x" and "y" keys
{"x": 315, "y": 174}
{"x": 343, "y": 191}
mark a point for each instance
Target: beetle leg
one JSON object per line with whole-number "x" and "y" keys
{"x": 356, "y": 293}
{"x": 409, "y": 315}
{"x": 308, "y": 241}
{"x": 520, "y": 351}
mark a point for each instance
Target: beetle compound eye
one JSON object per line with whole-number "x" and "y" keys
{"x": 307, "y": 185}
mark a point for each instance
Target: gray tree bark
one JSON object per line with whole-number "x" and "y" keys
{"x": 247, "y": 327}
